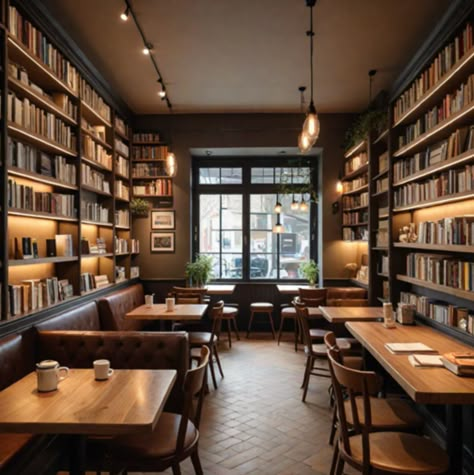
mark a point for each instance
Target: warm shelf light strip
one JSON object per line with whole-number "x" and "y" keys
{"x": 436, "y": 202}
{"x": 356, "y": 148}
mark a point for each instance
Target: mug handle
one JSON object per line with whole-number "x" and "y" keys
{"x": 110, "y": 372}
{"x": 66, "y": 372}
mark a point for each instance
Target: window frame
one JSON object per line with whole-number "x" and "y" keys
{"x": 246, "y": 189}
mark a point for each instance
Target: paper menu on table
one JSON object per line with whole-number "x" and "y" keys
{"x": 425, "y": 361}
{"x": 404, "y": 348}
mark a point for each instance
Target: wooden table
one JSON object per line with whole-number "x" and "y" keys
{"x": 217, "y": 289}
{"x": 423, "y": 385}
{"x": 351, "y": 314}
{"x": 183, "y": 312}
{"x": 130, "y": 401}
{"x": 291, "y": 289}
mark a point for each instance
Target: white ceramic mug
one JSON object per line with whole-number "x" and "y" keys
{"x": 149, "y": 300}
{"x": 169, "y": 304}
{"x": 48, "y": 374}
{"x": 102, "y": 370}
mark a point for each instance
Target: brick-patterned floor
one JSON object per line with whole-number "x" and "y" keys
{"x": 255, "y": 422}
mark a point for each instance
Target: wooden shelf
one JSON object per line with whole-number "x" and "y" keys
{"x": 38, "y": 72}
{"x": 358, "y": 225}
{"x": 380, "y": 248}
{"x": 357, "y": 208}
{"x": 40, "y": 100}
{"x": 166, "y": 177}
{"x": 123, "y": 177}
{"x": 92, "y": 116}
{"x": 95, "y": 138}
{"x": 137, "y": 160}
{"x": 48, "y": 180}
{"x": 358, "y": 147}
{"x": 152, "y": 196}
{"x": 360, "y": 171}
{"x": 42, "y": 260}
{"x": 453, "y": 162}
{"x": 98, "y": 254}
{"x": 357, "y": 190}
{"x": 96, "y": 190}
{"x": 462, "y": 294}
{"x": 92, "y": 291}
{"x": 437, "y": 201}
{"x": 435, "y": 247}
{"x": 38, "y": 214}
{"x": 121, "y": 134}
{"x": 359, "y": 283}
{"x": 432, "y": 96}
{"x": 42, "y": 142}
{"x": 42, "y": 309}
{"x": 97, "y": 223}
{"x": 380, "y": 175}
{"x": 462, "y": 117}
{"x": 151, "y": 142}
{"x": 123, "y": 200}
{"x": 382, "y": 137}
{"x": 383, "y": 216}
{"x": 379, "y": 193}
{"x": 95, "y": 164}
{"x": 122, "y": 227}
{"x": 382, "y": 274}
{"x": 122, "y": 254}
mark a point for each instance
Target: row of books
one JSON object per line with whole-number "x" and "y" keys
{"x": 144, "y": 170}
{"x": 26, "y": 198}
{"x": 94, "y": 179}
{"x": 159, "y": 187}
{"x": 90, "y": 281}
{"x": 459, "y": 141}
{"x": 448, "y": 183}
{"x": 355, "y": 234}
{"x": 121, "y": 147}
{"x": 451, "y": 104}
{"x": 354, "y": 201}
{"x": 383, "y": 211}
{"x": 34, "y": 119}
{"x": 451, "y": 54}
{"x": 149, "y": 152}
{"x": 351, "y": 185}
{"x": 121, "y": 126}
{"x": 355, "y": 217}
{"x": 381, "y": 185}
{"x": 457, "y": 230}
{"x": 146, "y": 137}
{"x": 90, "y": 247}
{"x": 441, "y": 270}
{"x": 122, "y": 190}
{"x": 127, "y": 245}
{"x": 122, "y": 217}
{"x": 356, "y": 162}
{"x": 94, "y": 101}
{"x": 92, "y": 211}
{"x": 30, "y": 159}
{"x": 97, "y": 131}
{"x": 39, "y": 45}
{"x": 27, "y": 247}
{"x": 441, "y": 312}
{"x": 383, "y": 162}
{"x": 384, "y": 262}
{"x": 33, "y": 294}
{"x": 382, "y": 233}
{"x": 59, "y": 99}
{"x": 96, "y": 152}
{"x": 122, "y": 166}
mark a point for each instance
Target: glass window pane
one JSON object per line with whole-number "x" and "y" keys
{"x": 232, "y": 241}
{"x": 262, "y": 241}
{"x": 209, "y": 176}
{"x": 231, "y": 176}
{"x": 231, "y": 266}
{"x": 209, "y": 219}
{"x": 262, "y": 266}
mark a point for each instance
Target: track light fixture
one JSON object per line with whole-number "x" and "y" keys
{"x": 147, "y": 49}
{"x": 124, "y": 14}
{"x": 162, "y": 94}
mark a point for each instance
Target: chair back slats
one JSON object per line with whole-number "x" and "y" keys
{"x": 217, "y": 312}
{"x": 303, "y": 323}
{"x": 193, "y": 388}
{"x": 188, "y": 299}
{"x": 313, "y": 297}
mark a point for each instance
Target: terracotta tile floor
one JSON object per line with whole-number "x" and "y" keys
{"x": 255, "y": 422}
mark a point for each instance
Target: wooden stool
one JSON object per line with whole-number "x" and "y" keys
{"x": 288, "y": 313}
{"x": 261, "y": 307}
{"x": 229, "y": 315}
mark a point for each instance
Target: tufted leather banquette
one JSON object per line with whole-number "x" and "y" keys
{"x": 85, "y": 317}
{"x": 337, "y": 295}
{"x": 114, "y": 307}
{"x": 125, "y": 350}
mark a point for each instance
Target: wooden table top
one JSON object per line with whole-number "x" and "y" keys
{"x": 291, "y": 289}
{"x": 130, "y": 401}
{"x": 217, "y": 289}
{"x": 191, "y": 311}
{"x": 423, "y": 385}
{"x": 351, "y": 314}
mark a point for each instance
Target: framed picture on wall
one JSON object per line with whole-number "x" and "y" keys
{"x": 162, "y": 242}
{"x": 162, "y": 219}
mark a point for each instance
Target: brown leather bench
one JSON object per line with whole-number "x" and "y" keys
{"x": 336, "y": 295}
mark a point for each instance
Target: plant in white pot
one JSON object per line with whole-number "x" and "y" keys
{"x": 199, "y": 272}
{"x": 310, "y": 271}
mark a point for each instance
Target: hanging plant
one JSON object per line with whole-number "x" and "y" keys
{"x": 375, "y": 120}
{"x": 139, "y": 207}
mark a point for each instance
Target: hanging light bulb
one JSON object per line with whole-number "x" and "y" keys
{"x": 277, "y": 208}
{"x": 124, "y": 14}
{"x": 311, "y": 125}
{"x": 146, "y": 50}
{"x": 162, "y": 94}
{"x": 171, "y": 164}
{"x": 294, "y": 205}
{"x": 278, "y": 228}
{"x": 303, "y": 204}
{"x": 339, "y": 187}
{"x": 304, "y": 143}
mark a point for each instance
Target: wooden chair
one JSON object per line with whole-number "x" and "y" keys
{"x": 314, "y": 298}
{"x": 229, "y": 315}
{"x": 370, "y": 450}
{"x": 175, "y": 438}
{"x": 189, "y": 292}
{"x": 197, "y": 339}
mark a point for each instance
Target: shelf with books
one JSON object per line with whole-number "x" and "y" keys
{"x": 357, "y": 190}
{"x": 436, "y": 247}
{"x": 92, "y": 291}
{"x": 380, "y": 174}
{"x": 38, "y": 177}
{"x": 97, "y": 255}
{"x": 94, "y": 163}
{"x": 44, "y": 308}
{"x": 38, "y": 214}
{"x": 97, "y": 223}
{"x": 359, "y": 171}
{"x": 96, "y": 191}
{"x": 358, "y": 147}
{"x": 92, "y": 116}
{"x": 436, "y": 201}
{"x": 93, "y": 135}
{"x": 379, "y": 193}
{"x": 41, "y": 260}
{"x": 382, "y": 137}
{"x": 355, "y": 208}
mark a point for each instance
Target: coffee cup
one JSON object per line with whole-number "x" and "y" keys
{"x": 169, "y": 304}
{"x": 102, "y": 370}
{"x": 149, "y": 300}
{"x": 48, "y": 373}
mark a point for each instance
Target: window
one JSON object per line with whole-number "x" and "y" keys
{"x": 234, "y": 216}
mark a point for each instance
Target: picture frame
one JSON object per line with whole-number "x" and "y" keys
{"x": 162, "y": 242}
{"x": 162, "y": 219}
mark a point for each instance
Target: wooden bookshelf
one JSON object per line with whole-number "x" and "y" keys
{"x": 437, "y": 201}
{"x": 42, "y": 260}
{"x": 436, "y": 247}
{"x": 48, "y": 180}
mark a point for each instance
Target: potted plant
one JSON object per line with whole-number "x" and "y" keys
{"x": 199, "y": 272}
{"x": 310, "y": 271}
{"x": 139, "y": 207}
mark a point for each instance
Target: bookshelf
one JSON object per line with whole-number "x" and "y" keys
{"x": 67, "y": 177}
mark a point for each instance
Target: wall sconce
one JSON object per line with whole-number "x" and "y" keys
{"x": 339, "y": 187}
{"x": 171, "y": 164}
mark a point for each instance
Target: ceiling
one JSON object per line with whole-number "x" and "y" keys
{"x": 250, "y": 55}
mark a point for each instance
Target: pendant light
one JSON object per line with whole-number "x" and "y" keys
{"x": 303, "y": 204}
{"x": 171, "y": 164}
{"x": 294, "y": 204}
{"x": 278, "y": 228}
{"x": 311, "y": 126}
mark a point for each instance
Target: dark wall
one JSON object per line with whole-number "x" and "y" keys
{"x": 242, "y": 130}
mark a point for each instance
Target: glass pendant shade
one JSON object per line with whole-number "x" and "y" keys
{"x": 294, "y": 205}
{"x": 311, "y": 125}
{"x": 277, "y": 208}
{"x": 304, "y": 143}
{"x": 278, "y": 228}
{"x": 339, "y": 187}
{"x": 171, "y": 164}
{"x": 303, "y": 205}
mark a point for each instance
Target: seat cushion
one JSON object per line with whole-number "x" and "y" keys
{"x": 317, "y": 334}
{"x": 402, "y": 453}
{"x": 229, "y": 312}
{"x": 160, "y": 443}
{"x": 11, "y": 445}
{"x": 389, "y": 414}
{"x": 200, "y": 338}
{"x": 288, "y": 312}
{"x": 84, "y": 317}
{"x": 261, "y": 306}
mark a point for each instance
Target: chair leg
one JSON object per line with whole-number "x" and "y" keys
{"x": 296, "y": 334}
{"x": 333, "y": 426}
{"x": 250, "y": 324}
{"x": 335, "y": 459}
{"x": 218, "y": 361}
{"x": 271, "y": 324}
{"x": 305, "y": 371}
{"x": 229, "y": 336}
{"x": 176, "y": 469}
{"x": 211, "y": 368}
{"x": 340, "y": 466}
{"x": 282, "y": 320}
{"x": 308, "y": 373}
{"x": 236, "y": 331}
{"x": 196, "y": 463}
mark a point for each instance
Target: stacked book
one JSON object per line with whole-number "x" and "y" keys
{"x": 450, "y": 231}
{"x": 134, "y": 246}
{"x": 94, "y": 101}
{"x": 383, "y": 162}
{"x": 150, "y": 152}
{"x": 94, "y": 179}
{"x": 121, "y": 166}
{"x": 120, "y": 126}
{"x": 459, "y": 363}
{"x": 121, "y": 147}
{"x": 146, "y": 137}
{"x": 122, "y": 217}
{"x": 159, "y": 187}
{"x": 121, "y": 245}
{"x": 92, "y": 211}
{"x": 355, "y": 217}
{"x": 354, "y": 184}
{"x": 90, "y": 281}
{"x": 355, "y": 201}
{"x": 356, "y": 162}
{"x": 144, "y": 170}
{"x": 122, "y": 190}
{"x": 96, "y": 152}
{"x": 381, "y": 185}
